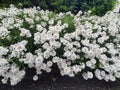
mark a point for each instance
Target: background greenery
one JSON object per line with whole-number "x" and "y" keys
{"x": 98, "y": 7}
{"x": 6, "y": 3}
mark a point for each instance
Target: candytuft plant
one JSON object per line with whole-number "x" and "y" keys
{"x": 34, "y": 38}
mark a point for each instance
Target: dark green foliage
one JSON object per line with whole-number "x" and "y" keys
{"x": 6, "y": 3}
{"x": 64, "y": 5}
{"x": 98, "y": 7}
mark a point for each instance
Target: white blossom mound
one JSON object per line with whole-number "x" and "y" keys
{"x": 75, "y": 44}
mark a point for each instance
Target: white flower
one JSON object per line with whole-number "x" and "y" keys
{"x": 29, "y": 59}
{"x": 90, "y": 75}
{"x": 43, "y": 24}
{"x": 85, "y": 42}
{"x": 76, "y": 44}
{"x": 67, "y": 53}
{"x": 93, "y": 61}
{"x": 67, "y": 36}
{"x": 3, "y": 51}
{"x": 43, "y": 66}
{"x": 39, "y": 27}
{"x": 67, "y": 70}
{"x": 3, "y": 32}
{"x": 48, "y": 70}
{"x": 101, "y": 40}
{"x": 85, "y": 76}
{"x": 76, "y": 68}
{"x": 91, "y": 54}
{"x": 29, "y": 20}
{"x": 85, "y": 50}
{"x": 97, "y": 74}
{"x": 53, "y": 53}
{"x": 65, "y": 25}
{"x": 20, "y": 46}
{"x": 71, "y": 74}
{"x": 55, "y": 59}
{"x": 45, "y": 18}
{"x": 51, "y": 21}
{"x": 46, "y": 54}
{"x": 25, "y": 32}
{"x": 11, "y": 20}
{"x": 3, "y": 61}
{"x": 35, "y": 77}
{"x": 88, "y": 64}
{"x": 46, "y": 45}
{"x": 56, "y": 36}
{"x": 106, "y": 78}
{"x": 55, "y": 44}
{"x": 103, "y": 74}
{"x": 39, "y": 60}
{"x": 59, "y": 22}
{"x": 18, "y": 49}
{"x": 49, "y": 63}
{"x": 4, "y": 80}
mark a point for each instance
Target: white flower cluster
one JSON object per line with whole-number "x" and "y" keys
{"x": 9, "y": 71}
{"x": 39, "y": 39}
{"x": 3, "y": 32}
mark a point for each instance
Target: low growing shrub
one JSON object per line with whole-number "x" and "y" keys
{"x": 33, "y": 38}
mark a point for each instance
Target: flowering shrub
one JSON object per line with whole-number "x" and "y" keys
{"x": 33, "y": 38}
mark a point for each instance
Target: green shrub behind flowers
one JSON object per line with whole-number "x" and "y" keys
{"x": 98, "y": 7}
{"x": 18, "y": 3}
{"x": 81, "y": 43}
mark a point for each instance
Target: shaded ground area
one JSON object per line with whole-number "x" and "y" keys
{"x": 54, "y": 81}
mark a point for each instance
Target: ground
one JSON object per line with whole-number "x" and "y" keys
{"x": 55, "y": 81}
